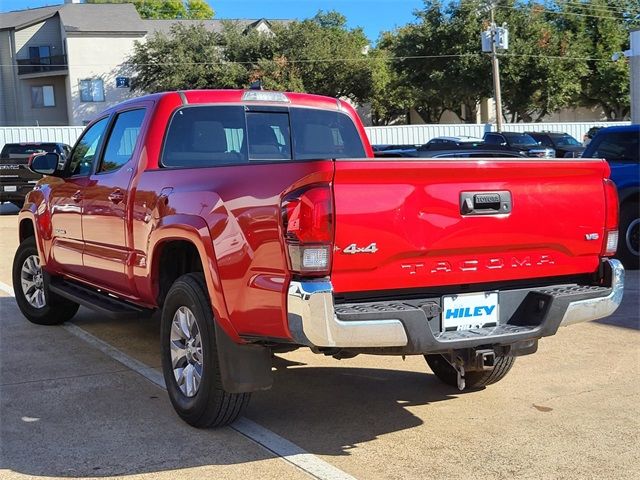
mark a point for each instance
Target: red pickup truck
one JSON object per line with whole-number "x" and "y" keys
{"x": 259, "y": 222}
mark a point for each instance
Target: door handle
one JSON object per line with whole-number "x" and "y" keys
{"x": 77, "y": 197}
{"x": 485, "y": 203}
{"x": 116, "y": 196}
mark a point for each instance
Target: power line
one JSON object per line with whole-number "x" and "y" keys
{"x": 602, "y": 8}
{"x": 563, "y": 13}
{"x": 326, "y": 60}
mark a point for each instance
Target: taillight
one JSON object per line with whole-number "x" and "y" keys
{"x": 610, "y": 243}
{"x": 307, "y": 221}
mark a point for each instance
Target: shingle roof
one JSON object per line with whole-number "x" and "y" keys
{"x": 164, "y": 26}
{"x": 23, "y": 18}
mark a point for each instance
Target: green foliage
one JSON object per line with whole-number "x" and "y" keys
{"x": 544, "y": 70}
{"x": 168, "y": 9}
{"x": 606, "y": 83}
{"x": 320, "y": 55}
{"x": 537, "y": 73}
{"x": 190, "y": 57}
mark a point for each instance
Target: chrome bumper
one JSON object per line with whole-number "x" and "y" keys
{"x": 600, "y": 307}
{"x": 313, "y": 320}
{"x": 311, "y": 313}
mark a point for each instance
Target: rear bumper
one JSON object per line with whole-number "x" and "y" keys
{"x": 404, "y": 328}
{"x": 10, "y": 191}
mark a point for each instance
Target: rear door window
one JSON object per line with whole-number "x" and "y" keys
{"x": 618, "y": 147}
{"x": 206, "y": 137}
{"x": 323, "y": 134}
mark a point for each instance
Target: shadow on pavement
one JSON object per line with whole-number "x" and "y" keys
{"x": 329, "y": 410}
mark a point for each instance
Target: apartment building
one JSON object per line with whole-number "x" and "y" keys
{"x": 62, "y": 65}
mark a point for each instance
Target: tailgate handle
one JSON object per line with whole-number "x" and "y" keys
{"x": 485, "y": 203}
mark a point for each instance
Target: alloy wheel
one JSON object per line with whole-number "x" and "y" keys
{"x": 186, "y": 351}
{"x": 32, "y": 282}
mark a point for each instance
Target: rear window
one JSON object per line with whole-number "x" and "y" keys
{"x": 207, "y": 136}
{"x": 617, "y": 147}
{"x": 18, "y": 151}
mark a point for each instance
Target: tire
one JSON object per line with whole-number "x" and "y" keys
{"x": 36, "y": 302}
{"x": 18, "y": 203}
{"x": 629, "y": 235}
{"x": 447, "y": 374}
{"x": 204, "y": 404}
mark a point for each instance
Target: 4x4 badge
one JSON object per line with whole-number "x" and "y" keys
{"x": 353, "y": 248}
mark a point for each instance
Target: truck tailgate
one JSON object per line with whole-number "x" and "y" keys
{"x": 404, "y": 224}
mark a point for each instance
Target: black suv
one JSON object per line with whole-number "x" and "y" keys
{"x": 517, "y": 142}
{"x": 564, "y": 144}
{"x": 16, "y": 180}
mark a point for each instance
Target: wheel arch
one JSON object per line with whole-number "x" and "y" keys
{"x": 182, "y": 244}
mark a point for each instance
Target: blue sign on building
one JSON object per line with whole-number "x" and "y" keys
{"x": 122, "y": 82}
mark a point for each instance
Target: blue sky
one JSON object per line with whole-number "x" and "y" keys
{"x": 374, "y": 16}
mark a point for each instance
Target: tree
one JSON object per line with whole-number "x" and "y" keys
{"x": 168, "y": 9}
{"x": 189, "y": 57}
{"x": 543, "y": 69}
{"x": 410, "y": 49}
{"x": 603, "y": 32}
{"x": 327, "y": 57}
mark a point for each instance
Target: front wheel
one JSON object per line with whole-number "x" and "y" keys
{"x": 33, "y": 297}
{"x": 447, "y": 374}
{"x": 190, "y": 358}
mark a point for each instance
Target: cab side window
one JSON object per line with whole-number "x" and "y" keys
{"x": 493, "y": 139}
{"x": 85, "y": 150}
{"x": 122, "y": 140}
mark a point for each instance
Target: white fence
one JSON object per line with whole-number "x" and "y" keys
{"x": 67, "y": 135}
{"x": 399, "y": 135}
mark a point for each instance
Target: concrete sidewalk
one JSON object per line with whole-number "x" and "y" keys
{"x": 67, "y": 410}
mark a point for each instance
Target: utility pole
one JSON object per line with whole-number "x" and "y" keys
{"x": 495, "y": 67}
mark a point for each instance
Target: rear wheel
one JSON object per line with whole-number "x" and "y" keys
{"x": 190, "y": 357}
{"x": 628, "y": 248}
{"x": 447, "y": 374}
{"x": 32, "y": 293}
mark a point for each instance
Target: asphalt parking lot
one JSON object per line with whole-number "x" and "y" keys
{"x": 69, "y": 409}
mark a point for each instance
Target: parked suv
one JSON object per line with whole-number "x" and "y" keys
{"x": 563, "y": 143}
{"x": 16, "y": 180}
{"x": 517, "y": 142}
{"x": 620, "y": 146}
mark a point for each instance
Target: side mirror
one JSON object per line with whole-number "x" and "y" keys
{"x": 47, "y": 164}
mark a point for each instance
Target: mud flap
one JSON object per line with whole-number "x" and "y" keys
{"x": 243, "y": 368}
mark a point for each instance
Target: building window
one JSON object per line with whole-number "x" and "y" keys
{"x": 42, "y": 96}
{"x": 92, "y": 90}
{"x": 40, "y": 54}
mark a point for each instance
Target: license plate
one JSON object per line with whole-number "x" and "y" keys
{"x": 10, "y": 188}
{"x": 469, "y": 311}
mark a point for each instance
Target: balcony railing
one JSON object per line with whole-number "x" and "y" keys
{"x": 42, "y": 64}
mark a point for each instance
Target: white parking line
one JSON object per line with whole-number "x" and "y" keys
{"x": 265, "y": 438}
